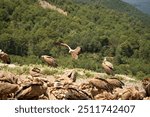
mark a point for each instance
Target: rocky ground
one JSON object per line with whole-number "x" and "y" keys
{"x": 42, "y": 82}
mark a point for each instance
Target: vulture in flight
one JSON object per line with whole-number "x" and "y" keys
{"x": 5, "y": 57}
{"x": 49, "y": 60}
{"x": 74, "y": 52}
{"x": 108, "y": 67}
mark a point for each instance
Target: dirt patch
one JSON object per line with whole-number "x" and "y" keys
{"x": 47, "y": 5}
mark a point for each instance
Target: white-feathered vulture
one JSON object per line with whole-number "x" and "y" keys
{"x": 74, "y": 52}
{"x": 108, "y": 67}
{"x": 49, "y": 60}
{"x": 5, "y": 57}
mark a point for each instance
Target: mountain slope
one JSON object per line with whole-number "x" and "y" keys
{"x": 119, "y": 5}
{"x": 28, "y": 30}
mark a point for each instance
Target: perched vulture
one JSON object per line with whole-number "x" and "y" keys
{"x": 70, "y": 74}
{"x": 35, "y": 72}
{"x": 8, "y": 77}
{"x": 108, "y": 67}
{"x": 115, "y": 82}
{"x": 5, "y": 57}
{"x": 146, "y": 81}
{"x": 31, "y": 90}
{"x": 147, "y": 89}
{"x": 8, "y": 85}
{"x": 49, "y": 60}
{"x": 101, "y": 84}
{"x": 146, "y": 85}
{"x": 6, "y": 89}
{"x": 76, "y": 94}
{"x": 74, "y": 52}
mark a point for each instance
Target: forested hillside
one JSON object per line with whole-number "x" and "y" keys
{"x": 29, "y": 31}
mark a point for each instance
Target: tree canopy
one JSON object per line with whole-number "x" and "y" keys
{"x": 100, "y": 27}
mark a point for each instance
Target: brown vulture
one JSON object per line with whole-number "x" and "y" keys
{"x": 5, "y": 57}
{"x": 49, "y": 60}
{"x": 74, "y": 52}
{"x": 108, "y": 67}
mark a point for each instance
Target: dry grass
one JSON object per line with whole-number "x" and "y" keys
{"x": 81, "y": 73}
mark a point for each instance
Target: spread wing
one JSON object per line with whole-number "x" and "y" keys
{"x": 75, "y": 53}
{"x": 77, "y": 50}
{"x": 63, "y": 44}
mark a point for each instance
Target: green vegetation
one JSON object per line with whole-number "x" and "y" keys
{"x": 18, "y": 70}
{"x": 48, "y": 71}
{"x": 100, "y": 27}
